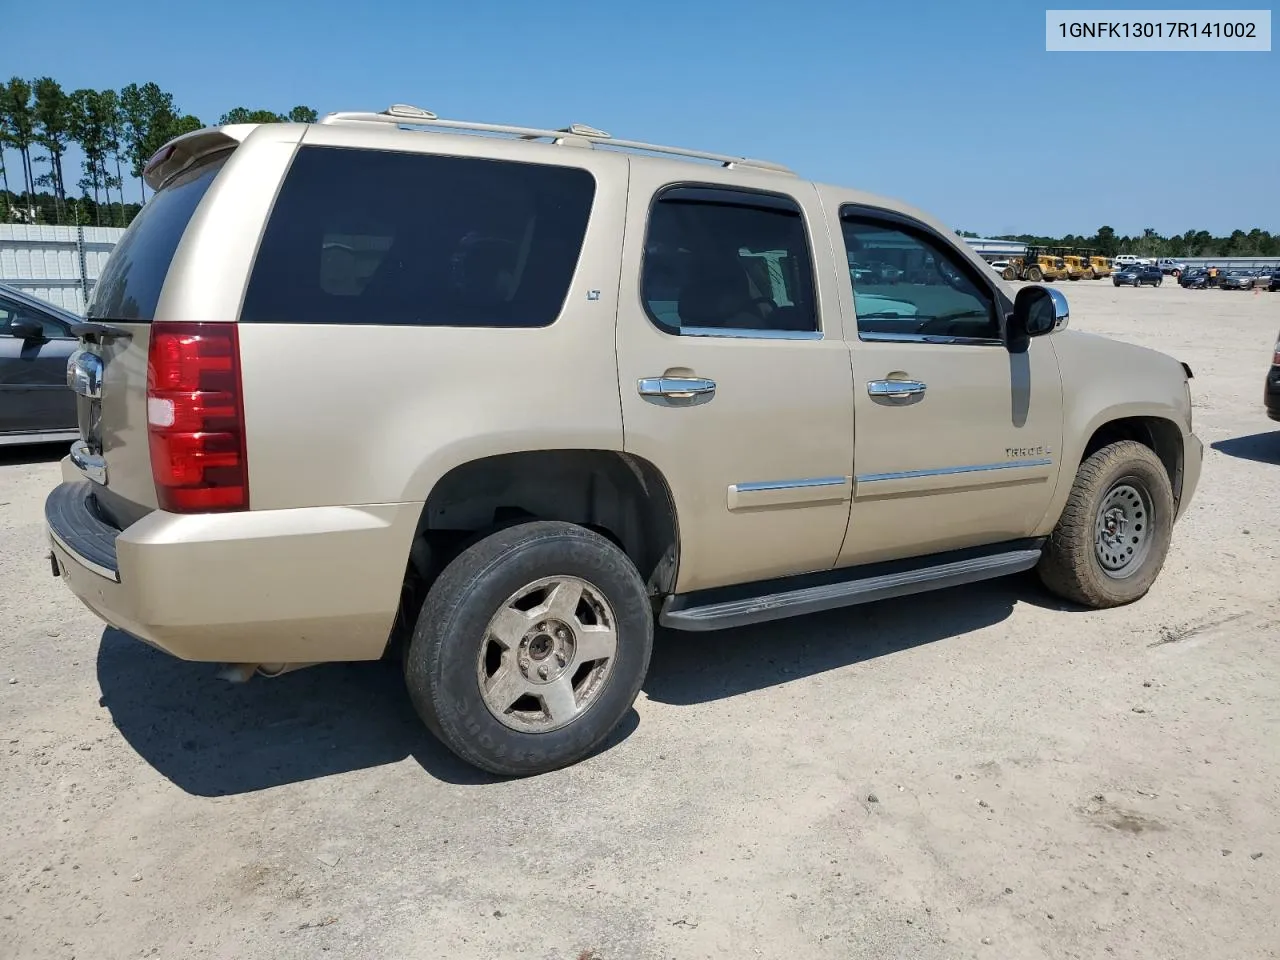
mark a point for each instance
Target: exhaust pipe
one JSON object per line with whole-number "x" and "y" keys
{"x": 243, "y": 672}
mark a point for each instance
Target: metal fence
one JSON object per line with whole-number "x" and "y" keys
{"x": 58, "y": 264}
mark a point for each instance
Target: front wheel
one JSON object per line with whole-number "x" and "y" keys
{"x": 1113, "y": 536}
{"x": 530, "y": 648}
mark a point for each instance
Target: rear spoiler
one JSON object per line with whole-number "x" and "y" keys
{"x": 181, "y": 152}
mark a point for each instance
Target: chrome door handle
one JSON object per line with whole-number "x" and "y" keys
{"x": 895, "y": 389}
{"x": 677, "y": 391}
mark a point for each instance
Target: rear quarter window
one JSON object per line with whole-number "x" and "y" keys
{"x": 134, "y": 275}
{"x": 385, "y": 238}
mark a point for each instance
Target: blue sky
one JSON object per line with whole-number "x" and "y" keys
{"x": 953, "y": 106}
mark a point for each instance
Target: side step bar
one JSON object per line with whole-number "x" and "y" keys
{"x": 684, "y": 612}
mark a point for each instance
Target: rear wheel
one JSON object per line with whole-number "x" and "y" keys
{"x": 530, "y": 648}
{"x": 1113, "y": 536}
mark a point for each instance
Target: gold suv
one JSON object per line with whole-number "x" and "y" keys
{"x": 498, "y": 399}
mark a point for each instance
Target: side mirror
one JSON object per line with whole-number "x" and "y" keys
{"x": 24, "y": 328}
{"x": 1036, "y": 311}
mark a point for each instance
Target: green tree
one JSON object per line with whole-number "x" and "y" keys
{"x": 245, "y": 115}
{"x": 18, "y": 119}
{"x": 113, "y": 112}
{"x": 4, "y": 179}
{"x": 89, "y": 123}
{"x": 1106, "y": 242}
{"x": 150, "y": 120}
{"x": 52, "y": 115}
{"x": 134, "y": 110}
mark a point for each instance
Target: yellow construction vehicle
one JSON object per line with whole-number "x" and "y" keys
{"x": 1036, "y": 266}
{"x": 1101, "y": 267}
{"x": 1078, "y": 268}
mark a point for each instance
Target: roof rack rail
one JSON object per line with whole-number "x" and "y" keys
{"x": 578, "y": 134}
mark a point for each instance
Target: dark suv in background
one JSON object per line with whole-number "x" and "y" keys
{"x": 1137, "y": 275}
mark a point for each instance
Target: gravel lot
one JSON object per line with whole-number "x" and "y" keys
{"x": 976, "y": 773}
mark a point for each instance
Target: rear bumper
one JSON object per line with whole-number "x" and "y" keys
{"x": 269, "y": 586}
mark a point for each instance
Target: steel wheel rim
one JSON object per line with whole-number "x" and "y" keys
{"x": 1122, "y": 529}
{"x": 547, "y": 653}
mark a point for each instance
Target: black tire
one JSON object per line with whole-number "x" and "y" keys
{"x": 1071, "y": 566}
{"x": 441, "y": 665}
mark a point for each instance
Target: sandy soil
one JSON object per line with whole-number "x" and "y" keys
{"x": 978, "y": 773}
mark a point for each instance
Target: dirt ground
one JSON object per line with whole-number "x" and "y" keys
{"x": 976, "y": 773}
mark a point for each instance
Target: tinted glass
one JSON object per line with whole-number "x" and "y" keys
{"x": 375, "y": 237}
{"x": 130, "y": 283}
{"x": 905, "y": 282}
{"x": 727, "y": 260}
{"x": 12, "y": 312}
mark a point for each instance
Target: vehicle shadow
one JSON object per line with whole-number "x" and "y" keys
{"x": 689, "y": 668}
{"x": 212, "y": 738}
{"x": 1261, "y": 447}
{"x": 21, "y": 453}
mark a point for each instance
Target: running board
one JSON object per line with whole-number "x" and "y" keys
{"x": 684, "y": 612}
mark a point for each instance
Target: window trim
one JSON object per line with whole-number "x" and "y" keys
{"x": 901, "y": 221}
{"x": 736, "y": 195}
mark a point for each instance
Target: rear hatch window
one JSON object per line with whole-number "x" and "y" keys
{"x": 379, "y": 237}
{"x": 130, "y": 285}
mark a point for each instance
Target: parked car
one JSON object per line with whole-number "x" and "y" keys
{"x": 1197, "y": 278}
{"x": 999, "y": 266}
{"x": 1238, "y": 279}
{"x": 1171, "y": 267}
{"x": 1273, "y": 284}
{"x": 1137, "y": 275}
{"x": 516, "y": 444}
{"x": 1271, "y": 389}
{"x": 36, "y": 338}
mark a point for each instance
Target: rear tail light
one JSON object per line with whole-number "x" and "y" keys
{"x": 195, "y": 418}
{"x": 1275, "y": 357}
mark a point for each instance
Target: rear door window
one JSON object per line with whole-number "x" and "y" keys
{"x": 378, "y": 237}
{"x": 130, "y": 285}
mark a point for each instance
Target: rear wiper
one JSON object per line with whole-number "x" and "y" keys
{"x": 101, "y": 331}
